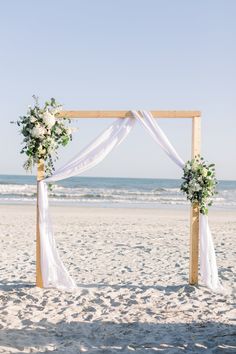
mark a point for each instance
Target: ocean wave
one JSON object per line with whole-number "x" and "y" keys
{"x": 120, "y": 195}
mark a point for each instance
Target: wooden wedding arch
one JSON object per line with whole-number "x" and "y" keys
{"x": 194, "y": 216}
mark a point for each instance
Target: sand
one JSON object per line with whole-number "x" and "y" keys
{"x": 131, "y": 267}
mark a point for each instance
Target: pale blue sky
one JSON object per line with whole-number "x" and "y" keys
{"x": 124, "y": 54}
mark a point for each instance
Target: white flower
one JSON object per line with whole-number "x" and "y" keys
{"x": 56, "y": 110}
{"x": 194, "y": 165}
{"x": 58, "y": 130}
{"x": 49, "y": 140}
{"x": 41, "y": 150}
{"x": 200, "y": 179}
{"x": 49, "y": 119}
{"x": 52, "y": 148}
{"x": 187, "y": 166}
{"x": 204, "y": 172}
{"x": 33, "y": 119}
{"x": 52, "y": 145}
{"x": 197, "y": 187}
{"x": 38, "y": 131}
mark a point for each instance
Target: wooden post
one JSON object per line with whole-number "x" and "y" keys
{"x": 194, "y": 217}
{"x": 39, "y": 279}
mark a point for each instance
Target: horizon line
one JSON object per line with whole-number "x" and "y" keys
{"x": 164, "y": 178}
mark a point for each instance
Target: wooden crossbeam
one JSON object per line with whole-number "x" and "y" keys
{"x": 124, "y": 114}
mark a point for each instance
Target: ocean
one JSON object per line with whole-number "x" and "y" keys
{"x": 109, "y": 192}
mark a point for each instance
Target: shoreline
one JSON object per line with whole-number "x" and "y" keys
{"x": 120, "y": 206}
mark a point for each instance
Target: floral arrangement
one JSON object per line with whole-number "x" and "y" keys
{"x": 199, "y": 182}
{"x": 43, "y": 134}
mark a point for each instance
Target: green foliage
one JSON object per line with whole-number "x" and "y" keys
{"x": 199, "y": 182}
{"x": 43, "y": 134}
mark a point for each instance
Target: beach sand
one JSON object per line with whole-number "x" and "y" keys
{"x": 131, "y": 267}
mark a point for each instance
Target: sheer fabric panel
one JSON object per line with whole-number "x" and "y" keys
{"x": 54, "y": 273}
{"x": 208, "y": 266}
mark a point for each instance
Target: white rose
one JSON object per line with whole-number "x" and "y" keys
{"x": 33, "y": 119}
{"x": 38, "y": 131}
{"x": 49, "y": 119}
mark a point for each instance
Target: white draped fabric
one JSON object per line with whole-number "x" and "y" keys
{"x": 54, "y": 273}
{"x": 208, "y": 266}
{"x": 96, "y": 151}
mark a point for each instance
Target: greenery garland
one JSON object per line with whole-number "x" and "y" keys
{"x": 199, "y": 182}
{"x": 43, "y": 134}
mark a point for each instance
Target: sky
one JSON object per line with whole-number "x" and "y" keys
{"x": 123, "y": 55}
